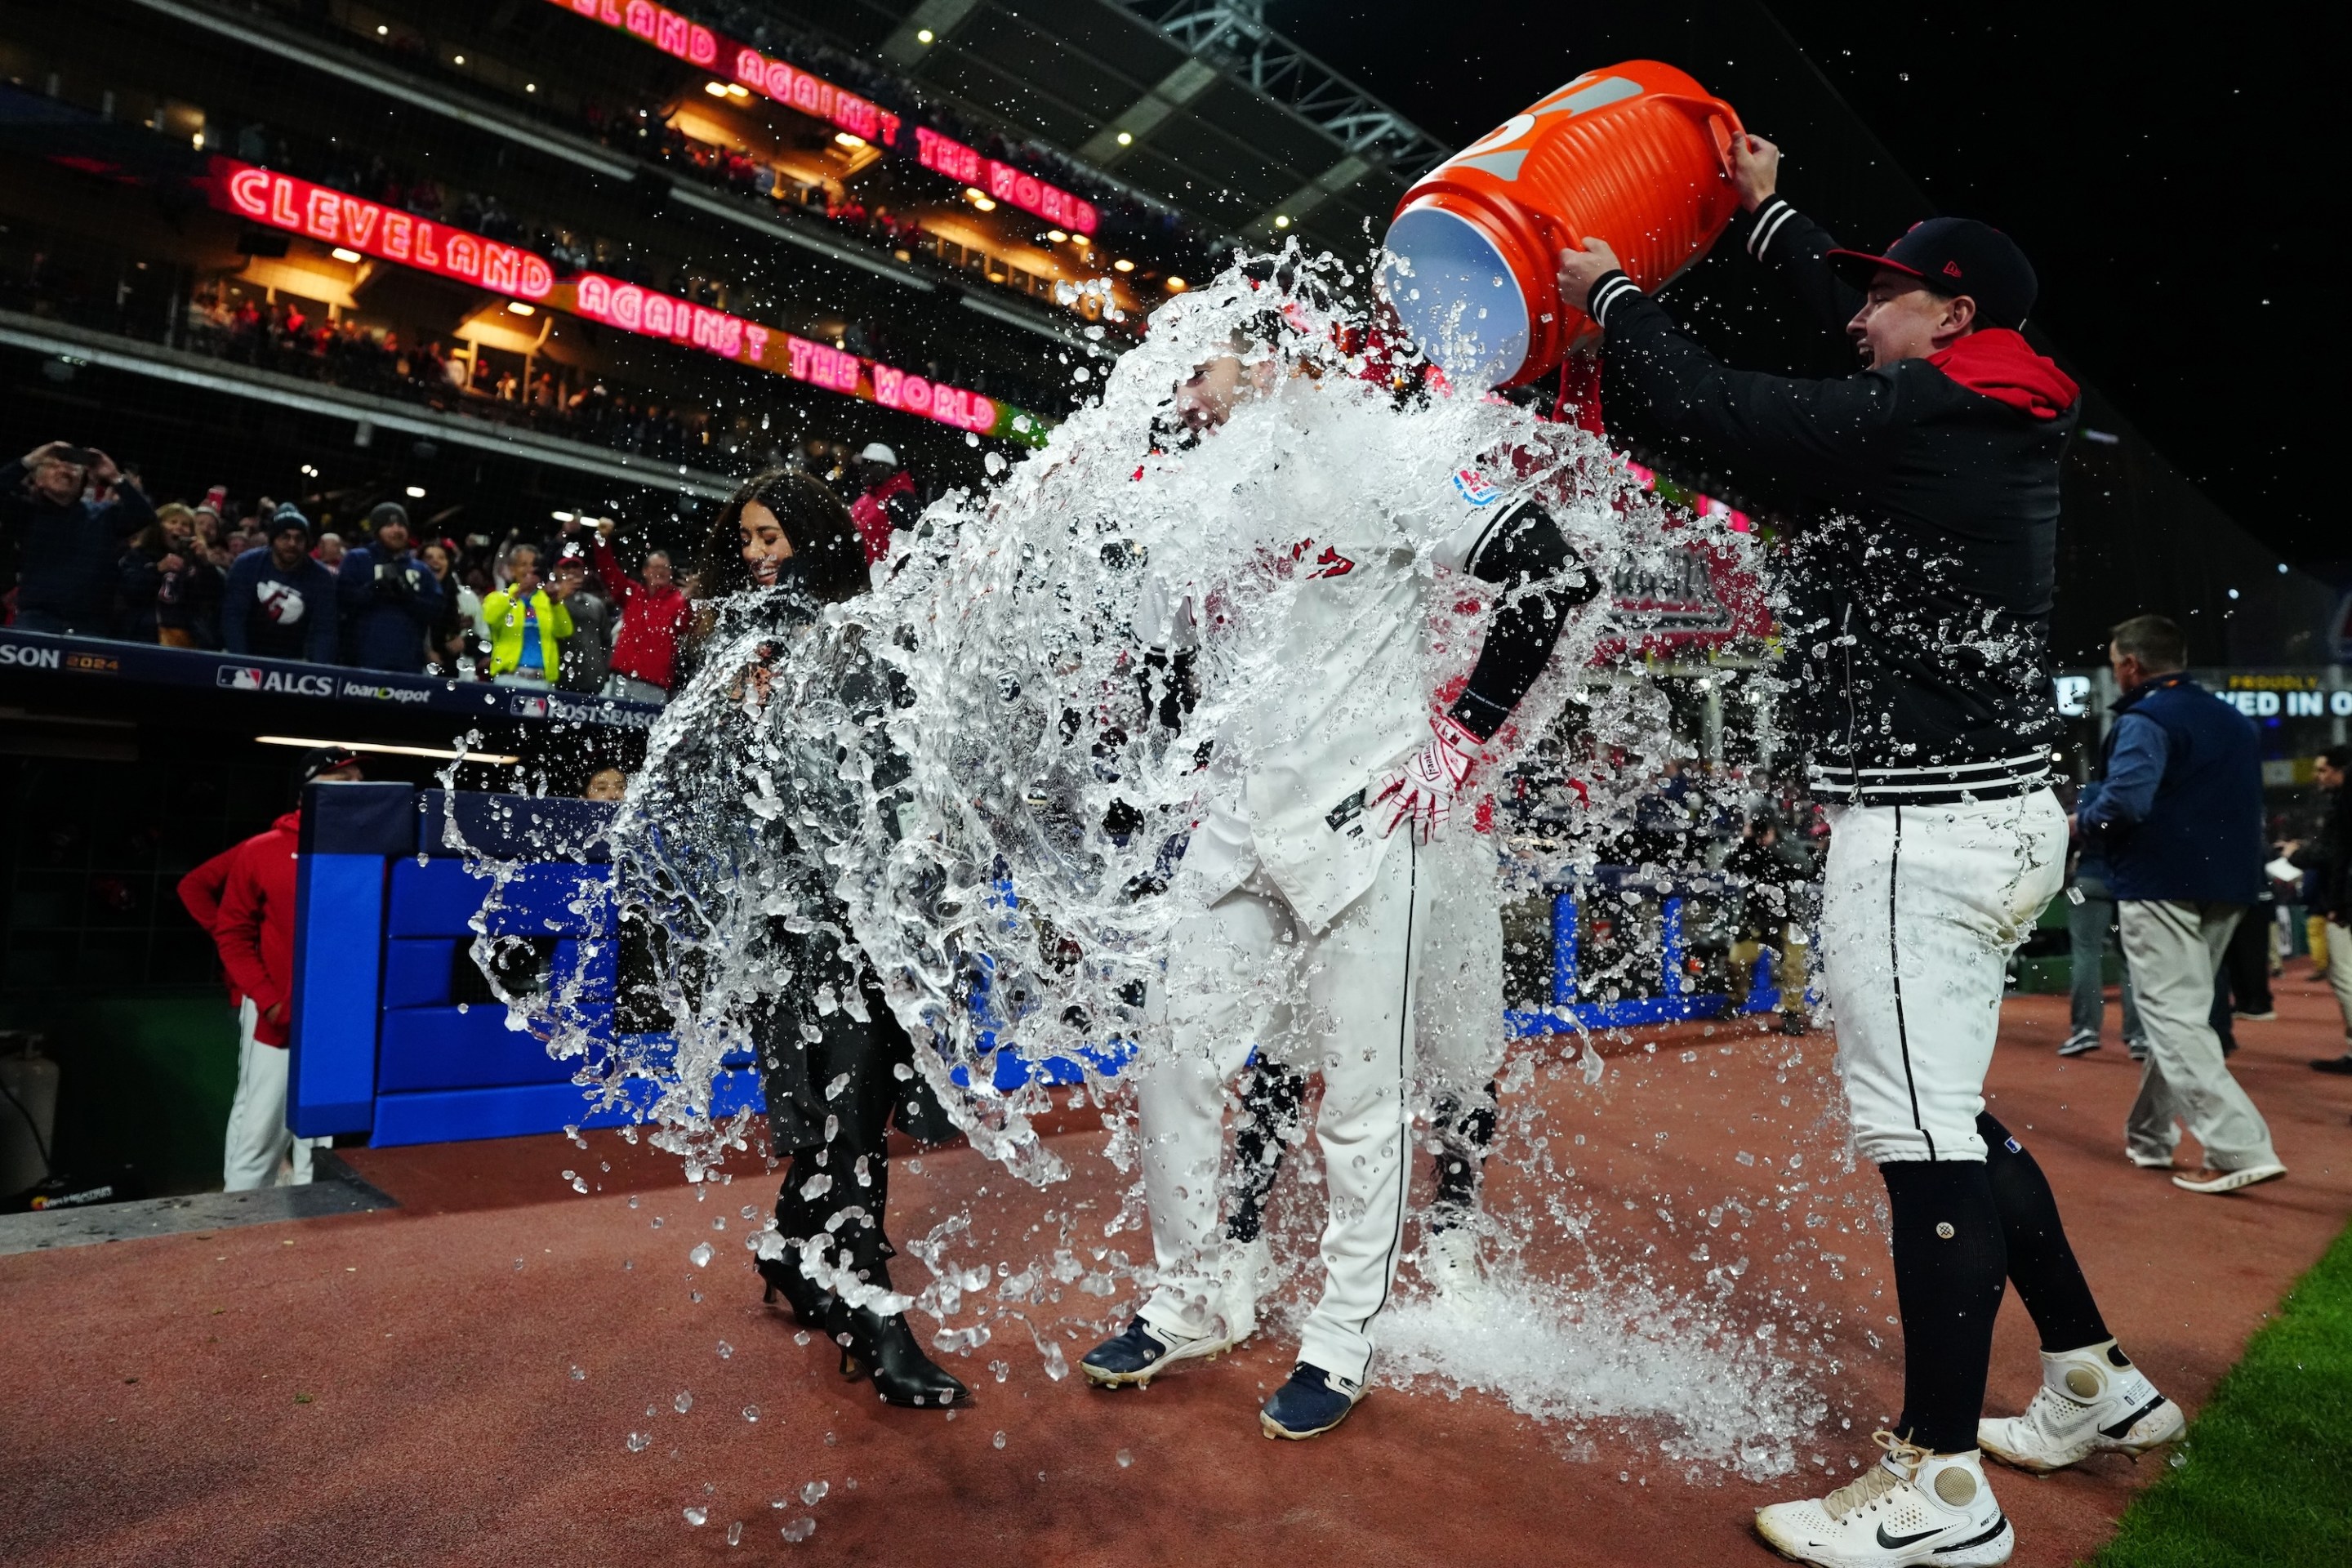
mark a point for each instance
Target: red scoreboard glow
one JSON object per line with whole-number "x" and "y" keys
{"x": 389, "y": 233}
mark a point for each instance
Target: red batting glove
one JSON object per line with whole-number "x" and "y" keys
{"x": 1421, "y": 789}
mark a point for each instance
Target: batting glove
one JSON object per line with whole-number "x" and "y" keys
{"x": 1421, "y": 789}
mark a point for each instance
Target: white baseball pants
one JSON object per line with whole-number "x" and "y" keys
{"x": 260, "y": 1152}
{"x": 1921, "y": 907}
{"x": 1245, "y": 972}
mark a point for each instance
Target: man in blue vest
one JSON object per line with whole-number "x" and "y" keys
{"x": 2179, "y": 812}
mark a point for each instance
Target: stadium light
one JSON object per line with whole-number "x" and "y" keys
{"x": 344, "y": 253}
{"x": 416, "y": 492}
{"x": 925, "y": 35}
{"x": 736, "y": 90}
{"x": 442, "y": 754}
{"x": 519, "y": 308}
{"x": 715, "y": 88}
{"x": 1122, "y": 265}
{"x": 1175, "y": 285}
{"x": 562, "y": 516}
{"x": 1282, "y": 220}
{"x": 1056, "y": 235}
{"x": 849, "y": 139}
{"x": 1126, "y": 139}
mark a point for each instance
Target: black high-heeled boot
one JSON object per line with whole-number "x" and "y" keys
{"x": 885, "y": 1349}
{"x": 812, "y": 1305}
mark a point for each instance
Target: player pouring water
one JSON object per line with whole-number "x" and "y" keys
{"x": 1921, "y": 589}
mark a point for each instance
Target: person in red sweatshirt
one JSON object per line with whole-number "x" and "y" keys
{"x": 654, "y": 615}
{"x": 245, "y": 898}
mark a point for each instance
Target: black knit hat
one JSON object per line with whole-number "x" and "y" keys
{"x": 288, "y": 516}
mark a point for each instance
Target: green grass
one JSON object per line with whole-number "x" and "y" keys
{"x": 2264, "y": 1477}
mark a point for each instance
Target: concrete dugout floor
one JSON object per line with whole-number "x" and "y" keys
{"x": 458, "y": 1380}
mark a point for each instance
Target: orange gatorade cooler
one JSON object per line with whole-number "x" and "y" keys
{"x": 1638, "y": 154}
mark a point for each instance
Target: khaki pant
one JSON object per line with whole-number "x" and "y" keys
{"x": 2173, "y": 949}
{"x": 258, "y": 1151}
{"x": 1791, "y": 970}
{"x": 2335, "y": 952}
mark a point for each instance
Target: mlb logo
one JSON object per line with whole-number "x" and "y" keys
{"x": 1476, "y": 490}
{"x": 240, "y": 677}
{"x": 526, "y": 706}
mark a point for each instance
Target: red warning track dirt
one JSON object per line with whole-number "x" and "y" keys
{"x": 400, "y": 1387}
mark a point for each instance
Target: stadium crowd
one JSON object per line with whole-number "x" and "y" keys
{"x": 85, "y": 552}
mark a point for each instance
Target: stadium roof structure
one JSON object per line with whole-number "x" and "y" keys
{"x": 1199, "y": 105}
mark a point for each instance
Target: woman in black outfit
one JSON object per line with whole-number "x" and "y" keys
{"x": 837, "y": 1066}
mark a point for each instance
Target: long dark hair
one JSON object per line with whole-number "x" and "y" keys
{"x": 827, "y": 555}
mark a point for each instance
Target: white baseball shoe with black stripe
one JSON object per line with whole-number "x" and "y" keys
{"x": 1912, "y": 1507}
{"x": 2091, "y": 1400}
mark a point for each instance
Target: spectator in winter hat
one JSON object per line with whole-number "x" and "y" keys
{"x": 388, "y": 598}
{"x": 329, "y": 552}
{"x": 279, "y": 602}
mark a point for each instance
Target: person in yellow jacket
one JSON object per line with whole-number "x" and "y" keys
{"x": 528, "y": 620}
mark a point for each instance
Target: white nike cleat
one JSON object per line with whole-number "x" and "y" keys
{"x": 2091, "y": 1400}
{"x": 1449, "y": 1260}
{"x": 1912, "y": 1507}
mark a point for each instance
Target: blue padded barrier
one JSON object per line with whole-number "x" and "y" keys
{"x": 443, "y": 1047}
{"x": 416, "y": 968}
{"x": 514, "y": 828}
{"x": 441, "y": 898}
{"x": 453, "y": 1116}
{"x": 348, "y": 830}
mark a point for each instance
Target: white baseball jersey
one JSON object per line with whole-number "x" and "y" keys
{"x": 1365, "y": 551}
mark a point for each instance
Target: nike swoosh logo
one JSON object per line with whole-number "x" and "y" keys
{"x": 1897, "y": 1542}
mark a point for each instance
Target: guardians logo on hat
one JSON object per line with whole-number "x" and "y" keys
{"x": 1955, "y": 256}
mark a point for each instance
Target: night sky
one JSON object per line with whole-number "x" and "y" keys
{"x": 2166, "y": 178}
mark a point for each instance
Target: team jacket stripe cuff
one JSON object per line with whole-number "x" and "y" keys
{"x": 1770, "y": 219}
{"x": 1613, "y": 287}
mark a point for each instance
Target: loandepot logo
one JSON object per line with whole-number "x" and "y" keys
{"x": 24, "y": 658}
{"x": 251, "y": 678}
{"x": 383, "y": 693}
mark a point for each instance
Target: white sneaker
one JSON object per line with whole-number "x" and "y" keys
{"x": 2091, "y": 1400}
{"x": 1449, "y": 1260}
{"x": 1248, "y": 1271}
{"x": 1912, "y": 1507}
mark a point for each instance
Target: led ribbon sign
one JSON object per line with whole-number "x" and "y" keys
{"x": 812, "y": 95}
{"x": 389, "y": 233}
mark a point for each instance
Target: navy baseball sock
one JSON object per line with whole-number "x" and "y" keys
{"x": 2040, "y": 1261}
{"x": 1949, "y": 1269}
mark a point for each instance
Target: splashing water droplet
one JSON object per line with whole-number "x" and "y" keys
{"x": 735, "y": 1533}
{"x": 699, "y": 1257}
{"x": 725, "y": 1350}
{"x": 637, "y": 1442}
{"x": 997, "y": 1441}
{"x": 683, "y": 1403}
{"x": 698, "y": 1516}
{"x": 1125, "y": 1458}
{"x": 750, "y": 1412}
{"x": 813, "y": 1493}
{"x": 799, "y": 1529}
{"x": 578, "y": 1375}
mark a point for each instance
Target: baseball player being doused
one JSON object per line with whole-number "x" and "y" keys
{"x": 1333, "y": 818}
{"x": 1920, "y": 588}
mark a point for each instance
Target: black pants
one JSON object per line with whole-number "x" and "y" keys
{"x": 1963, "y": 1228}
{"x": 831, "y": 1101}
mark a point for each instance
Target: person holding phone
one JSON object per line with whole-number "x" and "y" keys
{"x": 69, "y": 546}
